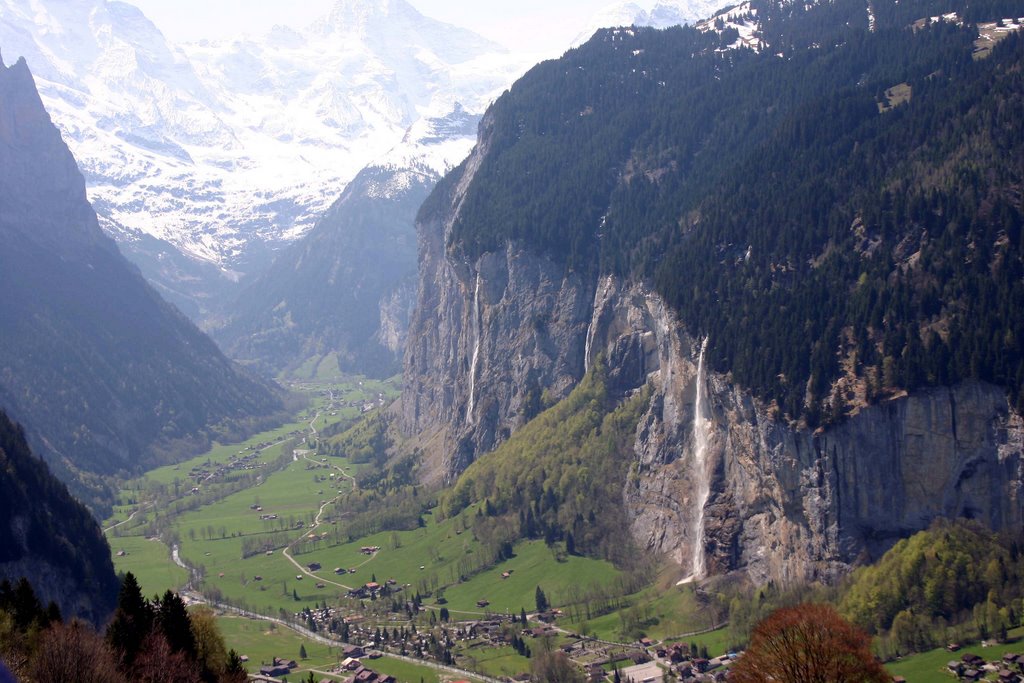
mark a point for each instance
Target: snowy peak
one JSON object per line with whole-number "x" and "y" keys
{"x": 660, "y": 15}
{"x": 227, "y": 150}
{"x": 741, "y": 21}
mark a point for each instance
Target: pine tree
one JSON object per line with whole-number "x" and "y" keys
{"x": 542, "y": 600}
{"x": 302, "y": 651}
{"x": 174, "y": 622}
{"x": 132, "y": 621}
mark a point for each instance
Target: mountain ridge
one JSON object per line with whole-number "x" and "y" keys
{"x": 101, "y": 371}
{"x": 655, "y": 195}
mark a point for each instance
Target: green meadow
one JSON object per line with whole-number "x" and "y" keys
{"x": 150, "y": 562}
{"x": 931, "y": 665}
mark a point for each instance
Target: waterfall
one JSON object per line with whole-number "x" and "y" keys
{"x": 600, "y": 298}
{"x": 476, "y": 350}
{"x": 701, "y": 429}
{"x": 586, "y": 346}
{"x": 702, "y": 482}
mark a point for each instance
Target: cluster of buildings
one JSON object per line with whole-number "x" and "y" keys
{"x": 972, "y": 667}
{"x": 200, "y": 473}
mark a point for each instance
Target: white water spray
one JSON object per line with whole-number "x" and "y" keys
{"x": 702, "y": 482}
{"x": 586, "y": 347}
{"x": 476, "y": 350}
{"x": 600, "y": 298}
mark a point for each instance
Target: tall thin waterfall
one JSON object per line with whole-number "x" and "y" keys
{"x": 476, "y": 350}
{"x": 701, "y": 435}
{"x": 590, "y": 341}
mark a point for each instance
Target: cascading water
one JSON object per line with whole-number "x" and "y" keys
{"x": 476, "y": 350}
{"x": 701, "y": 426}
{"x": 599, "y": 299}
{"x": 702, "y": 482}
{"x": 586, "y": 347}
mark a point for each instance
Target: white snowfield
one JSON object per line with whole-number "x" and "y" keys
{"x": 212, "y": 146}
{"x": 658, "y": 15}
{"x": 222, "y": 147}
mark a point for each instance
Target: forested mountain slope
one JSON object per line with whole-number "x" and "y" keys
{"x": 741, "y": 183}
{"x": 49, "y": 537}
{"x": 801, "y": 223}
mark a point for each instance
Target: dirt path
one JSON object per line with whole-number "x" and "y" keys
{"x": 130, "y": 517}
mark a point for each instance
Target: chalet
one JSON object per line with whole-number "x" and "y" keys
{"x": 1010, "y": 658}
{"x": 320, "y": 585}
{"x": 274, "y": 670}
{"x": 340, "y": 570}
{"x": 972, "y": 660}
{"x": 353, "y": 651}
{"x": 971, "y": 675}
{"x": 482, "y": 603}
{"x": 899, "y": 679}
{"x": 314, "y": 566}
{"x": 1007, "y": 676}
{"x": 955, "y": 667}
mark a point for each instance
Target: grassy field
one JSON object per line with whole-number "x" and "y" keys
{"x": 150, "y": 562}
{"x": 212, "y": 538}
{"x": 931, "y": 665}
{"x": 659, "y": 613}
{"x": 442, "y": 554}
{"x": 261, "y": 641}
{"x": 494, "y": 661}
{"x": 430, "y": 557}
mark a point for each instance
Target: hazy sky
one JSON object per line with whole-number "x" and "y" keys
{"x": 527, "y": 25}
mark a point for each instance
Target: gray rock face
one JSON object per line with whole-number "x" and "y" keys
{"x": 784, "y": 503}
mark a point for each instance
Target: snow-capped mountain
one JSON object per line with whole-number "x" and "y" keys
{"x": 658, "y": 15}
{"x": 226, "y": 151}
{"x": 347, "y": 287}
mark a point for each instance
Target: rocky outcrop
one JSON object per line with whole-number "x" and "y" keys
{"x": 784, "y": 503}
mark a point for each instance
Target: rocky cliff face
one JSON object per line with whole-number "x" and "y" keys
{"x": 483, "y": 335}
{"x": 719, "y": 484}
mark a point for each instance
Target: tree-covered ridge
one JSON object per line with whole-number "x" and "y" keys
{"x": 784, "y": 201}
{"x": 43, "y": 527}
{"x": 560, "y": 477}
{"x": 955, "y": 580}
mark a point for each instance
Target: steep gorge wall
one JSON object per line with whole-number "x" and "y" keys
{"x": 784, "y": 503}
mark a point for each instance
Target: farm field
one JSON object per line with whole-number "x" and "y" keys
{"x": 659, "y": 614}
{"x": 430, "y": 558}
{"x": 931, "y": 665}
{"x": 212, "y": 539}
{"x": 150, "y": 562}
{"x": 232, "y": 513}
{"x": 261, "y": 641}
